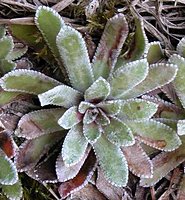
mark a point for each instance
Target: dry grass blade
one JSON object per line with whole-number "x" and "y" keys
{"x": 62, "y": 4}
{"x": 22, "y": 5}
{"x": 163, "y": 19}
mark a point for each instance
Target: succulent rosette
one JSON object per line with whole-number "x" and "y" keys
{"x": 99, "y": 108}
{"x": 175, "y": 117}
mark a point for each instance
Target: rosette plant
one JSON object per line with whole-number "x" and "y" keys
{"x": 167, "y": 161}
{"x": 99, "y": 109}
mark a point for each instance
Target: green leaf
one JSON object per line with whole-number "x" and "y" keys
{"x": 31, "y": 151}
{"x": 155, "y": 134}
{"x": 6, "y": 46}
{"x": 137, "y": 46}
{"x": 27, "y": 81}
{"x": 159, "y": 75}
{"x": 18, "y": 51}
{"x": 181, "y": 127}
{"x": 112, "y": 162}
{"x": 90, "y": 115}
{"x": 91, "y": 132}
{"x": 178, "y": 82}
{"x": 2, "y": 31}
{"x": 99, "y": 90}
{"x": 73, "y": 52}
{"x": 165, "y": 108}
{"x": 82, "y": 108}
{"x": 6, "y": 66}
{"x": 70, "y": 118}
{"x": 118, "y": 133}
{"x": 7, "y": 97}
{"x": 137, "y": 108}
{"x": 181, "y": 47}
{"x": 49, "y": 22}
{"x": 155, "y": 52}
{"x": 102, "y": 119}
{"x": 111, "y": 42}
{"x": 13, "y": 192}
{"x": 74, "y": 146}
{"x": 163, "y": 163}
{"x": 8, "y": 172}
{"x": 61, "y": 95}
{"x": 40, "y": 122}
{"x": 30, "y": 35}
{"x": 138, "y": 161}
{"x": 111, "y": 107}
{"x": 127, "y": 77}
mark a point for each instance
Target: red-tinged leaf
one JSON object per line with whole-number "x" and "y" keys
{"x": 164, "y": 163}
{"x": 165, "y": 108}
{"x": 65, "y": 173}
{"x": 80, "y": 180}
{"x": 155, "y": 134}
{"x": 7, "y": 97}
{"x": 110, "y": 45}
{"x": 6, "y": 143}
{"x": 89, "y": 192}
{"x": 31, "y": 151}
{"x": 170, "y": 92}
{"x": 9, "y": 121}
{"x": 40, "y": 122}
{"x": 45, "y": 171}
{"x": 110, "y": 191}
{"x": 138, "y": 161}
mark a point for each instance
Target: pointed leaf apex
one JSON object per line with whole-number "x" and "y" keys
{"x": 74, "y": 146}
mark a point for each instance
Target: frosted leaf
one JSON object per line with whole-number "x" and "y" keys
{"x": 111, "y": 42}
{"x": 137, "y": 109}
{"x": 159, "y": 75}
{"x": 61, "y": 95}
{"x": 118, "y": 133}
{"x": 27, "y": 81}
{"x": 92, "y": 132}
{"x": 127, "y": 77}
{"x": 155, "y": 134}
{"x": 99, "y": 90}
{"x": 178, "y": 82}
{"x": 73, "y": 52}
{"x": 74, "y": 146}
{"x": 112, "y": 162}
{"x": 70, "y": 118}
